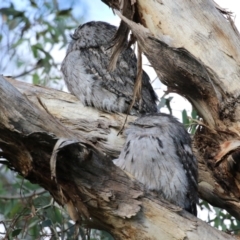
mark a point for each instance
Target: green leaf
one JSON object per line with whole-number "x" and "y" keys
{"x": 185, "y": 118}
{"x": 194, "y": 114}
{"x": 38, "y": 46}
{"x": 47, "y": 223}
{"x": 10, "y": 11}
{"x": 55, "y": 214}
{"x": 205, "y": 204}
{"x": 34, "y": 51}
{"x": 64, "y": 12}
{"x": 16, "y": 232}
{"x": 162, "y": 103}
{"x": 35, "y": 79}
{"x": 41, "y": 201}
{"x": 8, "y": 207}
{"x": 12, "y": 25}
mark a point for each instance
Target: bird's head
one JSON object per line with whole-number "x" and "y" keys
{"x": 91, "y": 35}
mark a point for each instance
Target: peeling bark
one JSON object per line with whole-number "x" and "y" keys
{"x": 195, "y": 49}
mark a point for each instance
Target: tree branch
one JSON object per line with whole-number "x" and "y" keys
{"x": 21, "y": 196}
{"x": 195, "y": 51}
{"x": 86, "y": 180}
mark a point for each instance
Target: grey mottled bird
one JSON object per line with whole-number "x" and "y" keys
{"x": 158, "y": 153}
{"x": 85, "y": 70}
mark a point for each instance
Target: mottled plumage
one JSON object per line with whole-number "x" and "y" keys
{"x": 85, "y": 70}
{"x": 158, "y": 153}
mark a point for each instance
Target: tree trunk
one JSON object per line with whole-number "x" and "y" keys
{"x": 194, "y": 48}
{"x": 52, "y": 139}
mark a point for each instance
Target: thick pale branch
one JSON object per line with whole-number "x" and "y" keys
{"x": 99, "y": 128}
{"x": 85, "y": 180}
{"x": 195, "y": 51}
{"x": 200, "y": 28}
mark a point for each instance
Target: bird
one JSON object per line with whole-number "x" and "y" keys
{"x": 158, "y": 153}
{"x": 86, "y": 74}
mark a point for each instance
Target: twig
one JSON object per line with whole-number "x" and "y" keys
{"x": 26, "y": 72}
{"x": 28, "y": 195}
